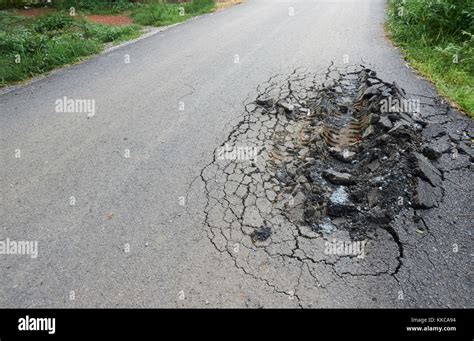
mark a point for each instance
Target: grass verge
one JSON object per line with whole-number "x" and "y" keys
{"x": 160, "y": 14}
{"x": 437, "y": 39}
{"x": 31, "y": 46}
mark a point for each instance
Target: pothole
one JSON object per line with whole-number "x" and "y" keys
{"x": 352, "y": 161}
{"x": 329, "y": 157}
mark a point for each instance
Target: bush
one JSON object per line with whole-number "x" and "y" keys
{"x": 199, "y": 6}
{"x": 21, "y": 42}
{"x": 52, "y": 22}
{"x": 8, "y": 20}
{"x": 157, "y": 14}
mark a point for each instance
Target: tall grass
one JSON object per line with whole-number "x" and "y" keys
{"x": 438, "y": 39}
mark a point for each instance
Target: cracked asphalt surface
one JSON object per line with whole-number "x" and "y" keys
{"x": 186, "y": 92}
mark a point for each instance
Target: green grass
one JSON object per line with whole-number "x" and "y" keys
{"x": 437, "y": 39}
{"x": 30, "y": 47}
{"x": 96, "y": 6}
{"x": 159, "y": 14}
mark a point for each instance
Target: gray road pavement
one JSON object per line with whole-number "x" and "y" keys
{"x": 158, "y": 119}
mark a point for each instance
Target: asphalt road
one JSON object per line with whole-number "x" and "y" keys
{"x": 135, "y": 236}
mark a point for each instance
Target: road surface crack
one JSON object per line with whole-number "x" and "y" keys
{"x": 320, "y": 163}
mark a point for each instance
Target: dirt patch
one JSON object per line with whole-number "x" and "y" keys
{"x": 220, "y": 4}
{"x": 116, "y": 20}
{"x": 33, "y": 12}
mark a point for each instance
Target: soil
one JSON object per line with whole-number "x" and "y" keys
{"x": 116, "y": 20}
{"x": 33, "y": 12}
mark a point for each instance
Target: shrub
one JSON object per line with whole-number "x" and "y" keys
{"x": 157, "y": 14}
{"x": 199, "y": 6}
{"x": 52, "y": 22}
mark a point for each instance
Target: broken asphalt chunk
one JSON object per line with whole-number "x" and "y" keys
{"x": 265, "y": 101}
{"x": 426, "y": 196}
{"x": 385, "y": 123}
{"x": 339, "y": 204}
{"x": 434, "y": 149}
{"x": 425, "y": 169}
{"x": 288, "y": 107}
{"x": 338, "y": 178}
{"x": 464, "y": 148}
{"x": 261, "y": 234}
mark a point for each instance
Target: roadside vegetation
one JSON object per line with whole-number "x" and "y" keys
{"x": 32, "y": 45}
{"x": 168, "y": 13}
{"x": 437, "y": 38}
